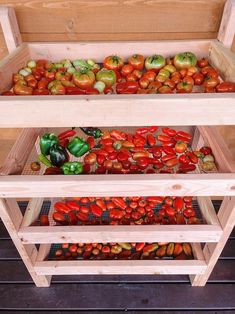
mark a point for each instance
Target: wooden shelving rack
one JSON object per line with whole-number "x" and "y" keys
{"x": 37, "y": 114}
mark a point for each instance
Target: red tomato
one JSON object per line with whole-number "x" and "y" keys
{"x": 113, "y": 63}
{"x": 84, "y": 79}
{"x": 202, "y": 63}
{"x": 137, "y": 61}
{"x": 180, "y": 147}
{"x": 126, "y": 69}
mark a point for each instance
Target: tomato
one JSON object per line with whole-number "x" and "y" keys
{"x": 126, "y": 69}
{"x": 185, "y": 60}
{"x": 150, "y": 75}
{"x": 90, "y": 159}
{"x": 198, "y": 78}
{"x": 189, "y": 212}
{"x": 84, "y": 79}
{"x": 151, "y": 140}
{"x": 60, "y": 218}
{"x": 184, "y": 87}
{"x": 155, "y": 62}
{"x": 184, "y": 159}
{"x": 138, "y": 74}
{"x": 136, "y": 61}
{"x": 62, "y": 76}
{"x": 206, "y": 150}
{"x": 172, "y": 162}
{"x": 225, "y": 87}
{"x": 202, "y": 63}
{"x": 168, "y": 150}
{"x": 169, "y": 83}
{"x": 35, "y": 166}
{"x": 113, "y": 63}
{"x": 127, "y": 87}
{"x": 165, "y": 90}
{"x": 108, "y": 77}
{"x": 211, "y": 82}
{"x": 44, "y": 221}
{"x": 188, "y": 79}
{"x": 144, "y": 82}
{"x": 131, "y": 77}
{"x": 191, "y": 71}
{"x": 181, "y": 147}
{"x": 154, "y": 85}
{"x": 209, "y": 72}
{"x": 91, "y": 91}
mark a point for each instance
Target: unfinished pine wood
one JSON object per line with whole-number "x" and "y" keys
{"x": 208, "y": 211}
{"x": 224, "y": 60}
{"x": 88, "y": 234}
{"x": 12, "y": 218}
{"x": 213, "y": 138}
{"x": 212, "y": 251}
{"x": 43, "y": 252}
{"x": 10, "y": 28}
{"x": 32, "y": 211}
{"x": 120, "y": 267}
{"x": 227, "y": 26}
{"x": 216, "y": 184}
{"x": 17, "y": 157}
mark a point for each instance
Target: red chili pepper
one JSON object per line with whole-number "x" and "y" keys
{"x": 60, "y": 218}
{"x": 72, "y": 90}
{"x": 116, "y": 214}
{"x": 64, "y": 142}
{"x": 140, "y": 154}
{"x": 169, "y": 144}
{"x": 142, "y": 162}
{"x": 172, "y": 162}
{"x": 101, "y": 152}
{"x": 151, "y": 140}
{"x": 168, "y": 150}
{"x": 91, "y": 141}
{"x": 184, "y": 168}
{"x": 101, "y": 204}
{"x": 61, "y": 208}
{"x": 73, "y": 205}
{"x": 41, "y": 92}
{"x": 119, "y": 202}
{"x": 66, "y": 134}
{"x": 122, "y": 156}
{"x": 112, "y": 156}
{"x": 155, "y": 199}
{"x": 96, "y": 210}
{"x": 163, "y": 138}
{"x": 106, "y": 141}
{"x": 169, "y": 211}
{"x": 127, "y": 87}
{"x": 178, "y": 203}
{"x": 169, "y": 132}
{"x": 117, "y": 135}
{"x": 73, "y": 220}
{"x": 167, "y": 157}
{"x": 153, "y": 129}
{"x": 139, "y": 140}
{"x": 179, "y": 138}
{"x": 141, "y": 131}
{"x": 82, "y": 216}
{"x": 193, "y": 158}
{"x": 185, "y": 134}
{"x": 92, "y": 91}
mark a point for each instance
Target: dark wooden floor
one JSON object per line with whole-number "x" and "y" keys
{"x": 114, "y": 294}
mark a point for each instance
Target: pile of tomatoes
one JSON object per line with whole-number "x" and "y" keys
{"x": 123, "y": 211}
{"x": 155, "y": 74}
{"x": 123, "y": 251}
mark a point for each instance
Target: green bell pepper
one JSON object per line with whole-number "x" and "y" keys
{"x": 77, "y": 147}
{"x": 46, "y": 142}
{"x": 58, "y": 155}
{"x": 72, "y": 167}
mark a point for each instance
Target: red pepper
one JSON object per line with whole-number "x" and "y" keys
{"x": 180, "y": 138}
{"x": 122, "y": 156}
{"x": 153, "y": 129}
{"x": 64, "y": 142}
{"x": 91, "y": 141}
{"x": 100, "y": 159}
{"x": 151, "y": 140}
{"x": 42, "y": 84}
{"x": 169, "y": 211}
{"x": 168, "y": 150}
{"x": 193, "y": 158}
{"x": 66, "y": 134}
{"x": 169, "y": 144}
{"x": 8, "y": 93}
{"x": 206, "y": 150}
{"x": 92, "y": 91}
{"x": 143, "y": 162}
{"x": 184, "y": 159}
{"x": 116, "y": 214}
{"x": 41, "y": 92}
{"x": 169, "y": 132}
{"x": 73, "y": 220}
{"x": 119, "y": 202}
{"x": 73, "y": 205}
{"x": 184, "y": 168}
{"x": 155, "y": 199}
{"x": 139, "y": 140}
{"x": 140, "y": 154}
{"x": 52, "y": 171}
{"x": 117, "y": 135}
{"x": 167, "y": 157}
{"x": 72, "y": 90}
{"x": 60, "y": 218}
{"x": 189, "y": 212}
{"x": 141, "y": 131}
{"x": 96, "y": 210}
{"x": 178, "y": 203}
{"x": 163, "y": 138}
{"x": 112, "y": 156}
{"x": 101, "y": 152}
{"x": 185, "y": 135}
{"x": 82, "y": 216}
{"x": 44, "y": 221}
{"x": 127, "y": 87}
{"x": 101, "y": 204}
{"x": 106, "y": 141}
{"x": 86, "y": 168}
{"x": 61, "y": 208}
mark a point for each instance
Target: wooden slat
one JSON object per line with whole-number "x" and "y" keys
{"x": 32, "y": 211}
{"x": 208, "y": 211}
{"x": 121, "y": 16}
{"x": 120, "y": 267}
{"x": 227, "y": 29}
{"x": 87, "y": 234}
{"x": 118, "y": 185}
{"x": 10, "y": 28}
{"x": 116, "y": 110}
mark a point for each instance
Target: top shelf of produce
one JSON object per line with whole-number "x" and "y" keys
{"x": 176, "y": 88}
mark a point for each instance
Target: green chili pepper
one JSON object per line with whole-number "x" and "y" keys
{"x": 77, "y": 147}
{"x": 72, "y": 167}
{"x": 44, "y": 160}
{"x": 58, "y": 155}
{"x": 95, "y": 132}
{"x": 46, "y": 142}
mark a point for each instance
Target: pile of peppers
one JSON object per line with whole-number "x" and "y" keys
{"x": 148, "y": 150}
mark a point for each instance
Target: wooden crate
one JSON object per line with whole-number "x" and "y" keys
{"x": 118, "y": 110}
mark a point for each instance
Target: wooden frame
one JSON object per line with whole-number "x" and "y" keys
{"x": 126, "y": 110}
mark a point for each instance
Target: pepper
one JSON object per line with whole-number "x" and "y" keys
{"x": 58, "y": 155}
{"x": 95, "y": 132}
{"x": 72, "y": 167}
{"x": 77, "y": 147}
{"x": 66, "y": 134}
{"x": 43, "y": 159}
{"x": 46, "y": 142}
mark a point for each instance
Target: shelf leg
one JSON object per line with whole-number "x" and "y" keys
{"x": 212, "y": 251}
{"x": 12, "y": 218}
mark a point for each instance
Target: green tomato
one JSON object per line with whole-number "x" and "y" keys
{"x": 108, "y": 77}
{"x": 164, "y": 72}
{"x": 185, "y": 60}
{"x": 155, "y": 62}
